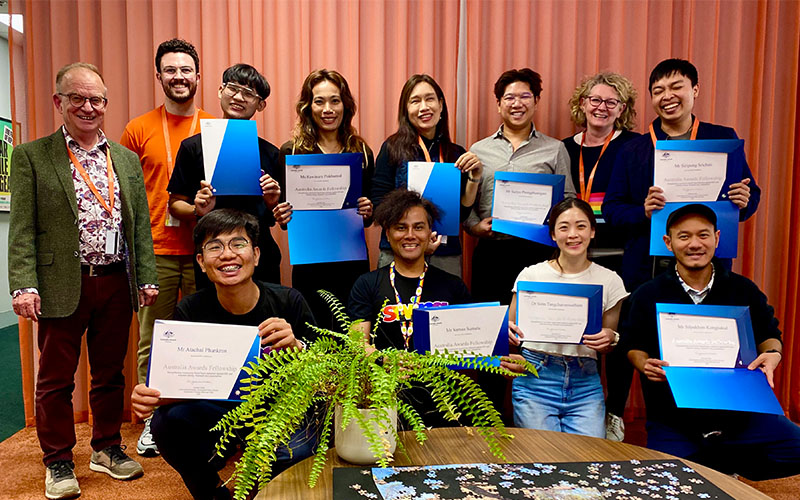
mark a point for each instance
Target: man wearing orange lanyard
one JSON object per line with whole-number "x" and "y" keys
{"x": 631, "y": 197}
{"x": 80, "y": 260}
{"x": 155, "y": 137}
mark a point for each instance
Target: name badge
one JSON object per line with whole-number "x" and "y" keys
{"x": 171, "y": 221}
{"x": 112, "y": 242}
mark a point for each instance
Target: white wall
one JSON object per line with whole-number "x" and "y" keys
{"x": 7, "y": 316}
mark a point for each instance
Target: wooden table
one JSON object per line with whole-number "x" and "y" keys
{"x": 458, "y": 445}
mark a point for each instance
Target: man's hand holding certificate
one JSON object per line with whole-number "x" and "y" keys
{"x": 522, "y": 201}
{"x": 200, "y": 360}
{"x": 705, "y": 353}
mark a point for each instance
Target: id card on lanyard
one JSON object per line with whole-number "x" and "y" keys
{"x": 171, "y": 221}
{"x": 112, "y": 234}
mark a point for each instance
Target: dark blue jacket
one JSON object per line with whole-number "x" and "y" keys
{"x": 623, "y": 206}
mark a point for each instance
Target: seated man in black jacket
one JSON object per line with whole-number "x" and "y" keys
{"x": 226, "y": 253}
{"x": 755, "y": 445}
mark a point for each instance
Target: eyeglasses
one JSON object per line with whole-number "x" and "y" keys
{"x": 231, "y": 89}
{"x": 524, "y": 98}
{"x": 597, "y": 101}
{"x": 172, "y": 71}
{"x": 77, "y": 100}
{"x": 214, "y": 248}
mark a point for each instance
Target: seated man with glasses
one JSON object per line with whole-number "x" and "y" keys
{"x": 631, "y": 197}
{"x": 225, "y": 251}
{"x": 243, "y": 92}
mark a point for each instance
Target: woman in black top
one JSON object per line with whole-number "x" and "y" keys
{"x": 603, "y": 105}
{"x": 325, "y": 113}
{"x": 423, "y": 134}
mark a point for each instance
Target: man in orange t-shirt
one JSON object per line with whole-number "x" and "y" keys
{"x": 155, "y": 137}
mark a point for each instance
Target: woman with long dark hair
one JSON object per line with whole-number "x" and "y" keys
{"x": 567, "y": 396}
{"x": 423, "y": 134}
{"x": 325, "y": 113}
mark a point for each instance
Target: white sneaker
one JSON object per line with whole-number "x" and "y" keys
{"x": 145, "y": 446}
{"x": 60, "y": 481}
{"x": 615, "y": 427}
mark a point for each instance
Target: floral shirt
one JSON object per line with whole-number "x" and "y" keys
{"x": 93, "y": 220}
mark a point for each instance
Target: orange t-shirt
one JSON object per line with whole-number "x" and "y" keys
{"x": 144, "y": 135}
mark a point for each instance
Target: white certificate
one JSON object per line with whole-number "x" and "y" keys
{"x": 467, "y": 330}
{"x": 547, "y": 317}
{"x": 522, "y": 201}
{"x": 199, "y": 360}
{"x": 317, "y": 187}
{"x": 690, "y": 175}
{"x": 418, "y": 174}
{"x": 698, "y": 341}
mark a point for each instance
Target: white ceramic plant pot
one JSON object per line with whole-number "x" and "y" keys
{"x": 351, "y": 445}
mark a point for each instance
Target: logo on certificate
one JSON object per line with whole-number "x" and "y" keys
{"x": 665, "y": 155}
{"x": 168, "y": 334}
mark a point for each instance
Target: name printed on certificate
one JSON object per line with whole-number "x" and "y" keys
{"x": 698, "y": 341}
{"x": 690, "y": 175}
{"x": 468, "y": 330}
{"x": 317, "y": 187}
{"x": 200, "y": 360}
{"x": 547, "y": 317}
{"x": 522, "y": 201}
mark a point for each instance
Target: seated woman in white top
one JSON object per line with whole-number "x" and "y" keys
{"x": 567, "y": 396}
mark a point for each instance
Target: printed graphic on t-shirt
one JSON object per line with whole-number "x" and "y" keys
{"x": 395, "y": 312}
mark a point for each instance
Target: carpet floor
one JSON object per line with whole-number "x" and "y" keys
{"x": 23, "y": 472}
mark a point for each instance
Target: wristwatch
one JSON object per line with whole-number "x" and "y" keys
{"x": 616, "y": 340}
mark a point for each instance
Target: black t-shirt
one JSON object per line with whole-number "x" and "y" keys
{"x": 185, "y": 181}
{"x": 273, "y": 301}
{"x": 371, "y": 290}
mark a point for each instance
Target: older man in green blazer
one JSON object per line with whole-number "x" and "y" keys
{"x": 80, "y": 259}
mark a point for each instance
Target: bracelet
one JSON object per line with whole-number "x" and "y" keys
{"x": 775, "y": 350}
{"x": 470, "y": 179}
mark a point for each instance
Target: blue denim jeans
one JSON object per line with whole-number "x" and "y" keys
{"x": 566, "y": 397}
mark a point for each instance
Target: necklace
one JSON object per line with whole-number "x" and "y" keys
{"x": 406, "y": 321}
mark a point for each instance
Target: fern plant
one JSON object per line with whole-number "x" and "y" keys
{"x": 339, "y": 369}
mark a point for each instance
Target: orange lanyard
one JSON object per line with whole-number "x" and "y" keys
{"x": 586, "y": 191}
{"x": 426, "y": 153}
{"x": 109, "y": 170}
{"x": 165, "y": 126}
{"x": 695, "y": 126}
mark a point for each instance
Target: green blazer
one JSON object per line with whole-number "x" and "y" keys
{"x": 43, "y": 249}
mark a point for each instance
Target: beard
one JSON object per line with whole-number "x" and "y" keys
{"x": 180, "y": 98}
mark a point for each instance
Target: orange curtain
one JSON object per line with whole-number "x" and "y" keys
{"x": 747, "y": 54}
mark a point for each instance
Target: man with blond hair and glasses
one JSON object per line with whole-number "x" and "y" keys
{"x": 80, "y": 259}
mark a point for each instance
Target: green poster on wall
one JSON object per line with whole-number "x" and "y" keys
{"x": 6, "y": 145}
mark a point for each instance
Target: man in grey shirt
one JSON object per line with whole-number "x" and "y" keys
{"x": 516, "y": 147}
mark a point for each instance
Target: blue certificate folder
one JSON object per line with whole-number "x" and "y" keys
{"x": 326, "y": 236}
{"x": 539, "y": 233}
{"x": 230, "y": 155}
{"x": 594, "y": 322}
{"x": 354, "y": 160}
{"x": 443, "y": 189}
{"x": 727, "y": 223}
{"x": 734, "y": 148}
{"x": 734, "y": 388}
{"x": 423, "y": 316}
